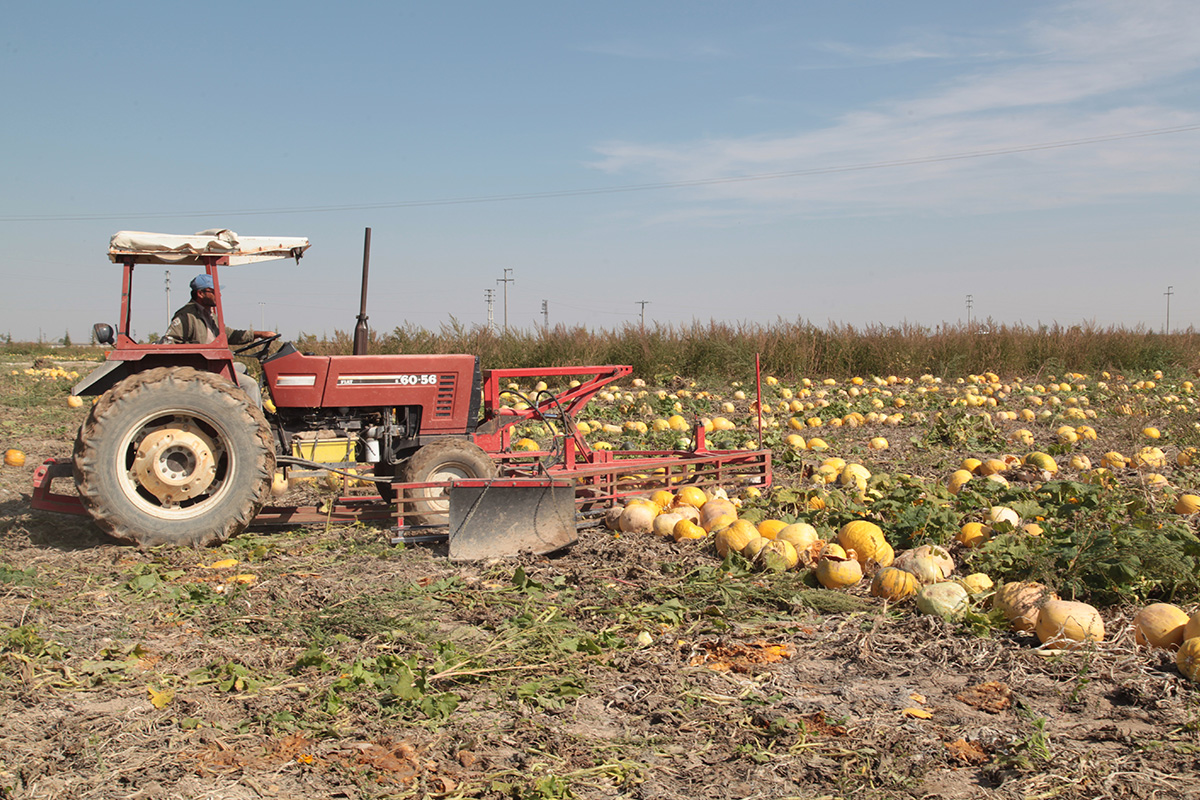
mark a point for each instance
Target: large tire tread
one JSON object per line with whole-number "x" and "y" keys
{"x": 105, "y": 421}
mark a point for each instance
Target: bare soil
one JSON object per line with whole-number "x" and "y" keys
{"x": 625, "y": 667}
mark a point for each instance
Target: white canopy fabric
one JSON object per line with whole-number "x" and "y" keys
{"x": 166, "y": 248}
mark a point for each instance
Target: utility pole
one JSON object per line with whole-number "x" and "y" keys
{"x": 490, "y": 296}
{"x": 168, "y": 282}
{"x": 970, "y": 303}
{"x": 643, "y": 303}
{"x": 1168, "y": 293}
{"x": 546, "y": 314}
{"x": 506, "y": 281}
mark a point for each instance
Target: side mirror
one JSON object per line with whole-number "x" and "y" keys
{"x": 103, "y": 333}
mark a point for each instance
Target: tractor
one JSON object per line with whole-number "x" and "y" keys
{"x": 174, "y": 451}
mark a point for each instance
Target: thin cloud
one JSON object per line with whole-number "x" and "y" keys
{"x": 1092, "y": 69}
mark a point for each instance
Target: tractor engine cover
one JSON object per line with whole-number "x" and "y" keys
{"x": 444, "y": 387}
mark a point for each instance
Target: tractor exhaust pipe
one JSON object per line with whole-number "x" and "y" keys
{"x": 360, "y": 328}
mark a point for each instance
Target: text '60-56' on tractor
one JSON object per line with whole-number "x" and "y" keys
{"x": 175, "y": 451}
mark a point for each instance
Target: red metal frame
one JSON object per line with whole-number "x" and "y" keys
{"x": 214, "y": 356}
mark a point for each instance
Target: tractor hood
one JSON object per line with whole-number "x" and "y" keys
{"x": 141, "y": 247}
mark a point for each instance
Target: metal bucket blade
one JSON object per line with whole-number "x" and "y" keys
{"x": 494, "y": 519}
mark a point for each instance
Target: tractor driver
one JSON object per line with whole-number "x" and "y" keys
{"x": 195, "y": 323}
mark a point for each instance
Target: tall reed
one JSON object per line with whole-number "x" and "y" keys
{"x": 794, "y": 349}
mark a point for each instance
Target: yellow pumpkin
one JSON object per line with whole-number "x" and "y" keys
{"x": 1020, "y": 602}
{"x": 1160, "y": 625}
{"x": 778, "y": 556}
{"x": 734, "y": 537}
{"x": 838, "y": 572}
{"x": 14, "y": 458}
{"x": 770, "y": 528}
{"x": 976, "y": 583}
{"x": 74, "y": 401}
{"x": 691, "y": 496}
{"x": 686, "y": 529}
{"x": 715, "y": 510}
{"x": 1192, "y": 629}
{"x": 800, "y": 534}
{"x": 973, "y": 534}
{"x": 1188, "y": 659}
{"x": 754, "y": 547}
{"x": 894, "y": 584}
{"x": 1068, "y": 624}
{"x": 863, "y": 537}
{"x": 957, "y": 480}
{"x": 663, "y": 499}
{"x": 1187, "y": 504}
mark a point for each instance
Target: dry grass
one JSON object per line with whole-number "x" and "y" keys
{"x": 795, "y": 349}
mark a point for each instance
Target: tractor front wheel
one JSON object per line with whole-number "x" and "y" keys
{"x": 449, "y": 460}
{"x": 174, "y": 456}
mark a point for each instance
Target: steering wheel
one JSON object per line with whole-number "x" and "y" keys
{"x": 260, "y": 347}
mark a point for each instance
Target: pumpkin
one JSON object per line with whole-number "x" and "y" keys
{"x": 691, "y": 496}
{"x": 14, "y": 458}
{"x": 1187, "y": 504}
{"x": 946, "y": 600}
{"x": 863, "y": 537}
{"x": 1020, "y": 602}
{"x": 74, "y": 401}
{"x": 929, "y": 562}
{"x": 838, "y": 572}
{"x": 754, "y": 547}
{"x": 664, "y": 524}
{"x": 957, "y": 480}
{"x": 894, "y": 584}
{"x": 686, "y": 529}
{"x": 1192, "y": 629}
{"x": 714, "y": 511}
{"x": 1068, "y": 624}
{"x": 1160, "y": 625}
{"x": 663, "y": 499}
{"x": 976, "y": 583}
{"x": 1188, "y": 659}
{"x": 279, "y": 484}
{"x": 973, "y": 534}
{"x": 770, "y": 528}
{"x": 612, "y": 518}
{"x": 778, "y": 556}
{"x": 885, "y": 555}
{"x": 638, "y": 518}
{"x": 998, "y": 514}
{"x": 800, "y": 534}
{"x": 734, "y": 537}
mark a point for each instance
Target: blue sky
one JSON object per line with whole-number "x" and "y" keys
{"x": 870, "y": 162}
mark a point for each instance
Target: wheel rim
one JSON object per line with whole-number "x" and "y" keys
{"x": 436, "y": 499}
{"x": 175, "y": 464}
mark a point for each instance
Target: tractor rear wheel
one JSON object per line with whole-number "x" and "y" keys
{"x": 174, "y": 455}
{"x": 448, "y": 460}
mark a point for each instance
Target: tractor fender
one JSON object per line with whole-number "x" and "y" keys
{"x": 113, "y": 371}
{"x": 102, "y": 378}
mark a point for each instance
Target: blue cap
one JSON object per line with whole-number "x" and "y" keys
{"x": 202, "y": 282}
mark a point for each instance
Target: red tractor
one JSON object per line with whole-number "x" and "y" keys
{"x": 175, "y": 452}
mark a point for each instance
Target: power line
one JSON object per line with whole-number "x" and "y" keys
{"x": 637, "y": 187}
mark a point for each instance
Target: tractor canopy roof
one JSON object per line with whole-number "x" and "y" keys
{"x": 173, "y": 249}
